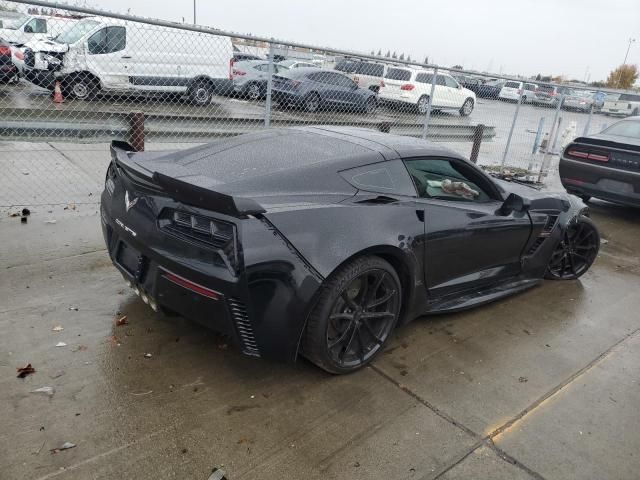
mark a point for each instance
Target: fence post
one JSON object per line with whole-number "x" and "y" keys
{"x": 267, "y": 106}
{"x": 428, "y": 115}
{"x": 513, "y": 125}
{"x": 585, "y": 132}
{"x": 555, "y": 137}
{"x": 536, "y": 142}
{"x": 136, "y": 131}
{"x": 545, "y": 160}
{"x": 477, "y": 140}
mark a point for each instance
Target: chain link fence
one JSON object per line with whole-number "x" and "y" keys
{"x": 76, "y": 78}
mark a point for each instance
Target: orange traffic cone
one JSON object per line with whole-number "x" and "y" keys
{"x": 57, "y": 93}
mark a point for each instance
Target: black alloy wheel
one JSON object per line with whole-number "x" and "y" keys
{"x": 576, "y": 251}
{"x": 355, "y": 315}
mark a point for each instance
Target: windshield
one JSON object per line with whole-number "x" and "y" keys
{"x": 287, "y": 63}
{"x": 626, "y": 128}
{"x": 14, "y": 23}
{"x": 76, "y": 31}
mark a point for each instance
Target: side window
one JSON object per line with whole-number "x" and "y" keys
{"x": 448, "y": 179}
{"x": 321, "y": 77}
{"x": 440, "y": 80}
{"x": 342, "y": 81}
{"x": 424, "y": 78}
{"x": 36, "y": 25}
{"x": 107, "y": 40}
{"x": 371, "y": 69}
{"x": 450, "y": 82}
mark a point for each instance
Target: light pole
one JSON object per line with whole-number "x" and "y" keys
{"x": 631, "y": 40}
{"x": 194, "y": 13}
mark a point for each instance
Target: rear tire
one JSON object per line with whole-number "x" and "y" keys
{"x": 423, "y": 104}
{"x": 311, "y": 103}
{"x": 200, "y": 93}
{"x": 357, "y": 309}
{"x": 253, "y": 91}
{"x": 576, "y": 252}
{"x": 370, "y": 106}
{"x": 467, "y": 107}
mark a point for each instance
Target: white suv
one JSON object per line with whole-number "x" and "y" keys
{"x": 413, "y": 86}
{"x": 511, "y": 91}
{"x": 366, "y": 74}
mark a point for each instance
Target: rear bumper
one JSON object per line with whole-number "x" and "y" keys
{"x": 615, "y": 185}
{"x": 40, "y": 78}
{"x": 288, "y": 97}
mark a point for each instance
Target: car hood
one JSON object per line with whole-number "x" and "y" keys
{"x": 47, "y": 46}
{"x": 540, "y": 199}
{"x": 468, "y": 92}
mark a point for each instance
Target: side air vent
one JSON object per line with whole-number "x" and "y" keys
{"x": 549, "y": 225}
{"x": 243, "y": 326}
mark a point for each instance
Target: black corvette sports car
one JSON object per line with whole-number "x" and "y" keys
{"x": 320, "y": 241}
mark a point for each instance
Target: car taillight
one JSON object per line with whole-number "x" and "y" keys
{"x": 552, "y": 94}
{"x": 19, "y": 55}
{"x": 5, "y": 50}
{"x": 588, "y": 155}
{"x": 407, "y": 86}
{"x": 189, "y": 285}
{"x": 231, "y": 68}
{"x": 382, "y": 83}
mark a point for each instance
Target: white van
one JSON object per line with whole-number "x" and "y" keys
{"x": 626, "y": 104}
{"x": 99, "y": 54}
{"x": 413, "y": 86}
{"x": 511, "y": 91}
{"x": 24, "y": 29}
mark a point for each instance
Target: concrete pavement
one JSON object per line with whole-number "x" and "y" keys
{"x": 540, "y": 385}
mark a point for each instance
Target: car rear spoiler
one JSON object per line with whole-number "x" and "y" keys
{"x": 186, "y": 192}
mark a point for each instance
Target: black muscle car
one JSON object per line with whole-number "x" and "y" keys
{"x": 321, "y": 240}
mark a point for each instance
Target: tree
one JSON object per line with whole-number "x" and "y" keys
{"x": 623, "y": 77}
{"x": 401, "y": 56}
{"x": 395, "y": 55}
{"x": 538, "y": 77}
{"x": 599, "y": 84}
{"x": 379, "y": 52}
{"x": 388, "y": 54}
{"x": 426, "y": 59}
{"x": 408, "y": 58}
{"x": 458, "y": 67}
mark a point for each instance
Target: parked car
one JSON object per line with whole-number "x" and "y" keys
{"x": 241, "y": 57}
{"x": 550, "y": 95}
{"x": 100, "y": 54}
{"x": 320, "y": 241}
{"x": 511, "y": 91}
{"x": 626, "y": 104}
{"x": 8, "y": 71}
{"x": 291, "y": 64}
{"x": 579, "y": 100}
{"x": 34, "y": 27}
{"x": 367, "y": 74}
{"x": 471, "y": 83}
{"x": 605, "y": 165}
{"x": 490, "y": 89}
{"x": 314, "y": 89}
{"x": 250, "y": 78}
{"x": 410, "y": 86}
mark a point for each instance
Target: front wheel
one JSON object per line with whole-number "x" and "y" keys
{"x": 467, "y": 107}
{"x": 201, "y": 93}
{"x": 82, "y": 87}
{"x": 576, "y": 251}
{"x": 311, "y": 103}
{"x": 423, "y": 104}
{"x": 253, "y": 91}
{"x": 357, "y": 309}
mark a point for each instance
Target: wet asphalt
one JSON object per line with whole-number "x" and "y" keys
{"x": 544, "y": 384}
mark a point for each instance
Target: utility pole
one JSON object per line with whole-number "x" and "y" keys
{"x": 631, "y": 40}
{"x": 194, "y": 12}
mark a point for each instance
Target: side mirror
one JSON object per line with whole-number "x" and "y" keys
{"x": 514, "y": 203}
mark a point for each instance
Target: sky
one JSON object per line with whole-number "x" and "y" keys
{"x": 582, "y": 39}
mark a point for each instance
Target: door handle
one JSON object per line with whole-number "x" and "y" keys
{"x": 126, "y": 56}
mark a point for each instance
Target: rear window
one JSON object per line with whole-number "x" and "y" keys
{"x": 371, "y": 69}
{"x": 626, "y": 128}
{"x": 398, "y": 74}
{"x": 512, "y": 84}
{"x": 545, "y": 88}
{"x": 627, "y": 97}
{"x": 424, "y": 77}
{"x": 348, "y": 66}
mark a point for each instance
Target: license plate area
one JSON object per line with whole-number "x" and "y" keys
{"x": 129, "y": 259}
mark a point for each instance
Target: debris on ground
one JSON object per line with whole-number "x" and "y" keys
{"x": 57, "y": 374}
{"x": 523, "y": 379}
{"x": 604, "y": 241}
{"x": 73, "y": 309}
{"x": 23, "y": 219}
{"x": 217, "y": 474}
{"x": 25, "y": 172}
{"x": 61, "y": 344}
{"x": 26, "y": 370}
{"x": 138, "y": 394}
{"x": 64, "y": 446}
{"x": 80, "y": 348}
{"x": 50, "y": 221}
{"x": 25, "y": 212}
{"x": 121, "y": 321}
{"x": 14, "y": 214}
{"x": 71, "y": 206}
{"x": 57, "y": 328}
{"x": 49, "y": 391}
{"x": 147, "y": 355}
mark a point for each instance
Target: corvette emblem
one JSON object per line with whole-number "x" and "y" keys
{"x": 129, "y": 204}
